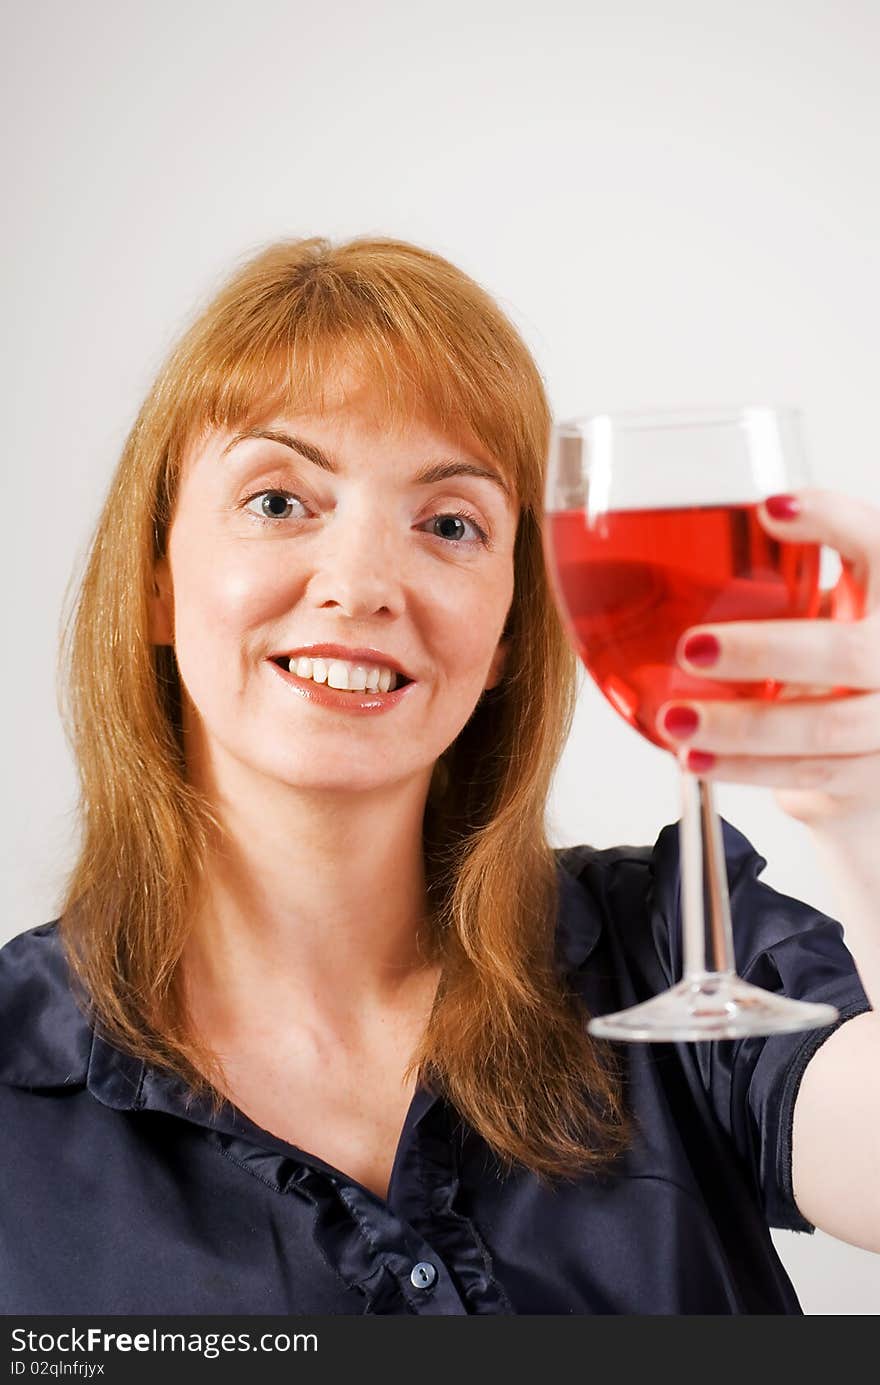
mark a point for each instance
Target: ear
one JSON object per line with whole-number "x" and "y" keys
{"x": 496, "y": 668}
{"x": 162, "y": 605}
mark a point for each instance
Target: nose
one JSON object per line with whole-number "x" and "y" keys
{"x": 360, "y": 558}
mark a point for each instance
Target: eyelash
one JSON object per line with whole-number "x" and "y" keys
{"x": 454, "y": 514}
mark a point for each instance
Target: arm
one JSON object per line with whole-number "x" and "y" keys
{"x": 821, "y": 754}
{"x": 836, "y": 1138}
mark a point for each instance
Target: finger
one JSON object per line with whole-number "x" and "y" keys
{"x": 829, "y": 653}
{"x": 838, "y": 726}
{"x": 854, "y": 776}
{"x": 844, "y": 522}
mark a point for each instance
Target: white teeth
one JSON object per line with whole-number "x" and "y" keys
{"x": 336, "y": 673}
{"x": 352, "y": 677}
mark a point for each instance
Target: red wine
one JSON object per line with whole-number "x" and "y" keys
{"x": 630, "y": 582}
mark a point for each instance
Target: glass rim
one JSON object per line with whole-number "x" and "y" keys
{"x": 674, "y": 416}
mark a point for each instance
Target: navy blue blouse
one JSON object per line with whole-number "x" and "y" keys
{"x": 117, "y": 1199}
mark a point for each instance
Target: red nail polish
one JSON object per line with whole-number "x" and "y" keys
{"x": 700, "y": 760}
{"x": 782, "y": 506}
{"x": 681, "y": 721}
{"x": 702, "y": 650}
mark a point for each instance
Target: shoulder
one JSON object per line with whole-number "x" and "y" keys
{"x": 597, "y": 886}
{"x": 633, "y": 892}
{"x": 606, "y": 869}
{"x": 600, "y": 869}
{"x": 45, "y": 1038}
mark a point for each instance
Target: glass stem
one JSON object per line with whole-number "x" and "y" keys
{"x": 705, "y": 902}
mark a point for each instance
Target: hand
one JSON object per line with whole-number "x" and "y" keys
{"x": 821, "y": 754}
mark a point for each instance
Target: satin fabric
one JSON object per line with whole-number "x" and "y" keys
{"x": 120, "y": 1195}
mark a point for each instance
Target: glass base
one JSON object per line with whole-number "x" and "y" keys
{"x": 714, "y": 1005}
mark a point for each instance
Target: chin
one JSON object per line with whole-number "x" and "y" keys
{"x": 342, "y": 782}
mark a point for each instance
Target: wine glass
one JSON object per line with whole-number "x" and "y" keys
{"x": 650, "y": 527}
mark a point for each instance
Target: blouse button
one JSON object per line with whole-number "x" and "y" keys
{"x": 423, "y": 1274}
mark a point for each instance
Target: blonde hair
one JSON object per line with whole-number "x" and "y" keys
{"x": 506, "y": 1042}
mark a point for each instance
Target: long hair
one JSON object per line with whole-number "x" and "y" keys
{"x": 506, "y": 1042}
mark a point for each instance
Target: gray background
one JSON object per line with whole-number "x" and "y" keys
{"x": 676, "y": 202}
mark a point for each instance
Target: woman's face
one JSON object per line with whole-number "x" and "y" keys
{"x": 269, "y": 551}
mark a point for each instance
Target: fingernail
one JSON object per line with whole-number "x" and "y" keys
{"x": 699, "y": 760}
{"x": 681, "y": 721}
{"x": 703, "y": 650}
{"x": 782, "y": 506}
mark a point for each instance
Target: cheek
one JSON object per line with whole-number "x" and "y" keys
{"x": 471, "y": 623}
{"x": 470, "y": 650}
{"x": 224, "y": 603}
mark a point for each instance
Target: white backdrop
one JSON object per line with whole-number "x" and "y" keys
{"x": 676, "y": 201}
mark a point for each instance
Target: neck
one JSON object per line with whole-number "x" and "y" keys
{"x": 313, "y": 903}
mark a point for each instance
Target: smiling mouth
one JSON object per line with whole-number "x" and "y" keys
{"x": 284, "y": 661}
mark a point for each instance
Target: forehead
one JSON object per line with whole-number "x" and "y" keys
{"x": 348, "y": 407}
{"x": 349, "y": 403}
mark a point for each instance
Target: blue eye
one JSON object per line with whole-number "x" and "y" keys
{"x": 273, "y": 507}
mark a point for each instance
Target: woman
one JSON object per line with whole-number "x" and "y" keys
{"x": 309, "y": 1033}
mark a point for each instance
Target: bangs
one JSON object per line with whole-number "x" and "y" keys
{"x": 321, "y": 343}
{"x": 320, "y": 375}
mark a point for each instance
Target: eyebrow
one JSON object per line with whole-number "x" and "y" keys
{"x": 436, "y": 471}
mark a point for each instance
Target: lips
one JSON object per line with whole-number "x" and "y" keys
{"x": 286, "y": 660}
{"x": 370, "y": 657}
{"x": 352, "y": 702}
